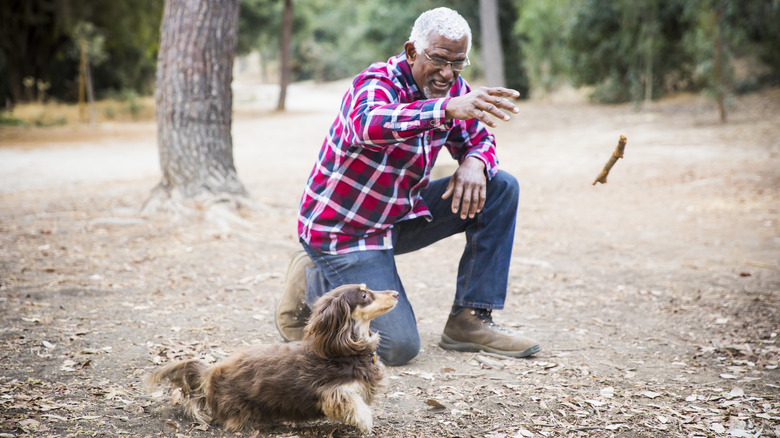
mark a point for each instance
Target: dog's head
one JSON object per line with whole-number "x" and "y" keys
{"x": 339, "y": 324}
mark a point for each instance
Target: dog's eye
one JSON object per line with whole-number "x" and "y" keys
{"x": 365, "y": 295}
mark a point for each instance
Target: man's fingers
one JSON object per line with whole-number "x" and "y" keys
{"x": 478, "y": 201}
{"x": 498, "y": 97}
{"x": 483, "y": 117}
{"x": 457, "y": 194}
{"x": 472, "y": 201}
{"x": 493, "y": 109}
{"x": 448, "y": 191}
{"x": 502, "y": 92}
{"x": 493, "y": 106}
{"x": 466, "y": 207}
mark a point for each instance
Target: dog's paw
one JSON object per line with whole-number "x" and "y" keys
{"x": 363, "y": 419}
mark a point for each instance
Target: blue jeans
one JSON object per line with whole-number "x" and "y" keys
{"x": 483, "y": 271}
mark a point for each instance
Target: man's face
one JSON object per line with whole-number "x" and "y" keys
{"x": 436, "y": 82}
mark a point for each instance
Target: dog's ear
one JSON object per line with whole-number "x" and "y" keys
{"x": 330, "y": 327}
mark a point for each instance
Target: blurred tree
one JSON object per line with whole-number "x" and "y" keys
{"x": 90, "y": 52}
{"x": 36, "y": 37}
{"x": 515, "y": 64}
{"x": 492, "y": 54}
{"x": 760, "y": 22}
{"x": 194, "y": 107}
{"x": 132, "y": 37}
{"x": 543, "y": 27}
{"x": 726, "y": 31}
{"x": 259, "y": 23}
{"x": 32, "y": 34}
{"x": 335, "y": 39}
{"x": 629, "y": 50}
{"x": 286, "y": 53}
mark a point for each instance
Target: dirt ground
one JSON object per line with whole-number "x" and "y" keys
{"x": 655, "y": 297}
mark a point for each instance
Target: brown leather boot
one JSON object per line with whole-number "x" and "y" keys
{"x": 292, "y": 311}
{"x": 474, "y": 330}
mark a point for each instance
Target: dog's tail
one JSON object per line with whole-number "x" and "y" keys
{"x": 184, "y": 374}
{"x": 191, "y": 377}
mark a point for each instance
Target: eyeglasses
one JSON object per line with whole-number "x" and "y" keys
{"x": 441, "y": 64}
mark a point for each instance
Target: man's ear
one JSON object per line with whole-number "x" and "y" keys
{"x": 411, "y": 53}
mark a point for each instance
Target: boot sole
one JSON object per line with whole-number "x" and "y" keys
{"x": 289, "y": 335}
{"x": 448, "y": 344}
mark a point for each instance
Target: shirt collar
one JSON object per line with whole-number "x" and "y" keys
{"x": 400, "y": 63}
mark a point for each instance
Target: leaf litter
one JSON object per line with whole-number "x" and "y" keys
{"x": 648, "y": 325}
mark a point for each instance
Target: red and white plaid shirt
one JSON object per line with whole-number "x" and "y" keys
{"x": 377, "y": 159}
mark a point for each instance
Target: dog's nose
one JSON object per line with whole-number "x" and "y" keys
{"x": 394, "y": 294}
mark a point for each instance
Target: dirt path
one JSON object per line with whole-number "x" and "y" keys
{"x": 655, "y": 296}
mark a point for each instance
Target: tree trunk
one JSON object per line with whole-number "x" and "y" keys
{"x": 492, "y": 54}
{"x": 286, "y": 49}
{"x": 194, "y": 101}
{"x": 718, "y": 65}
{"x": 82, "y": 80}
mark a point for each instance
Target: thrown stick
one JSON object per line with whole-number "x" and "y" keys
{"x": 621, "y": 146}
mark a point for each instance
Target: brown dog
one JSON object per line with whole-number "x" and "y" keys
{"x": 333, "y": 372}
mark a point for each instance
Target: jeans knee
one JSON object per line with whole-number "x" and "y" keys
{"x": 398, "y": 353}
{"x": 507, "y": 183}
{"x": 503, "y": 192}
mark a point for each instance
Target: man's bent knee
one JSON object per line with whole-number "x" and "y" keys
{"x": 398, "y": 353}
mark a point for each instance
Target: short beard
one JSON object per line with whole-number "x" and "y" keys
{"x": 426, "y": 91}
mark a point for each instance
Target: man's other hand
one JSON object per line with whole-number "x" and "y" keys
{"x": 468, "y": 188}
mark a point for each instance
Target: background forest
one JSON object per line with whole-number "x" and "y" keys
{"x": 622, "y": 50}
{"x": 655, "y": 297}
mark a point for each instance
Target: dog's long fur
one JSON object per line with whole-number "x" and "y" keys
{"x": 333, "y": 372}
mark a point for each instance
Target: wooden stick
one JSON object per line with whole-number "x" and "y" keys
{"x": 618, "y": 153}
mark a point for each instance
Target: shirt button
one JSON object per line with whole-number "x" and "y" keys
{"x": 433, "y": 122}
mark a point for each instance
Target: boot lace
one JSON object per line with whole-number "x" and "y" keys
{"x": 486, "y": 316}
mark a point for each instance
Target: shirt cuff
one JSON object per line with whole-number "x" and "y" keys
{"x": 433, "y": 113}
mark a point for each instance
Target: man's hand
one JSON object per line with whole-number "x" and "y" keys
{"x": 468, "y": 188}
{"x": 480, "y": 103}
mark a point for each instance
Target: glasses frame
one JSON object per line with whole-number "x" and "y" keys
{"x": 436, "y": 61}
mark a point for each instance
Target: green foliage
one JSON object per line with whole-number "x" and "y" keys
{"x": 626, "y": 50}
{"x": 340, "y": 37}
{"x": 122, "y": 36}
{"x": 630, "y": 50}
{"x": 8, "y": 120}
{"x": 132, "y": 32}
{"x": 515, "y": 58}
{"x": 335, "y": 39}
{"x": 94, "y": 43}
{"x": 543, "y": 28}
{"x": 758, "y": 23}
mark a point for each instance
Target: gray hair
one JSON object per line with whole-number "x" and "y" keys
{"x": 443, "y": 21}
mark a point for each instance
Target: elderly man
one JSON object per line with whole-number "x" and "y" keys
{"x": 370, "y": 197}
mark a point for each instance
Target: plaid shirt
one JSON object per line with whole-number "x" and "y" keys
{"x": 377, "y": 159}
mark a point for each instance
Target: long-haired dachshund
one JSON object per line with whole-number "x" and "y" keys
{"x": 333, "y": 372}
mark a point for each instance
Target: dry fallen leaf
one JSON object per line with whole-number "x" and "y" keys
{"x": 435, "y": 405}
{"x": 736, "y": 392}
{"x": 717, "y": 428}
{"x": 176, "y": 396}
